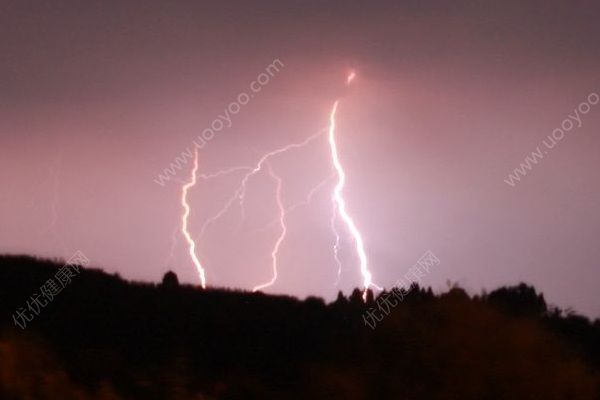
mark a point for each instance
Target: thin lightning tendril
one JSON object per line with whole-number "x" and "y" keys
{"x": 51, "y": 228}
{"x": 295, "y": 206}
{"x": 264, "y": 159}
{"x": 336, "y": 245}
{"x": 171, "y": 255}
{"x": 224, "y": 172}
{"x": 219, "y": 214}
{"x": 275, "y": 251}
{"x": 240, "y": 193}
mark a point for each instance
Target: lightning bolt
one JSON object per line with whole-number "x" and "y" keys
{"x": 228, "y": 203}
{"x": 240, "y": 192}
{"x": 281, "y": 237}
{"x": 336, "y": 245}
{"x": 264, "y": 160}
{"x": 185, "y": 220}
{"x": 340, "y": 203}
{"x": 305, "y": 202}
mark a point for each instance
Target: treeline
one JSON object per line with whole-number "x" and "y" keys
{"x": 100, "y": 337}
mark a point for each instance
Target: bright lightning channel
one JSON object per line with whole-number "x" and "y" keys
{"x": 340, "y": 203}
{"x": 185, "y": 220}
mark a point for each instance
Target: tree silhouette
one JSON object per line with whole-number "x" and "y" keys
{"x": 521, "y": 300}
{"x": 104, "y": 338}
{"x": 170, "y": 280}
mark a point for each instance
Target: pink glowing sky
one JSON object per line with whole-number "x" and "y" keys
{"x": 96, "y": 99}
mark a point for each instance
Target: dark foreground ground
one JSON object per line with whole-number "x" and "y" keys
{"x": 104, "y": 338}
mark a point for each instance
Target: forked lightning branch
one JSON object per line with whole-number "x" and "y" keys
{"x": 338, "y": 204}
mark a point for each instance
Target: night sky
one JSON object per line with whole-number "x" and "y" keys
{"x": 98, "y": 98}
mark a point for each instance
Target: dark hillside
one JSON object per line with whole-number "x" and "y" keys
{"x": 104, "y": 338}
